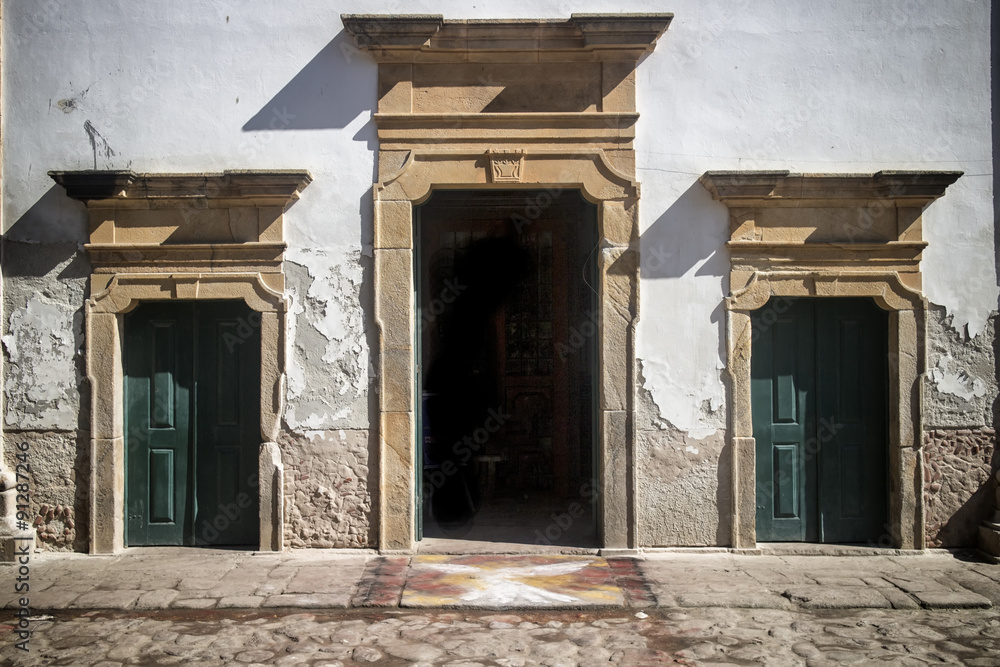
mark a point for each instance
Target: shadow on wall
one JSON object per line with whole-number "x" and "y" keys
{"x": 330, "y": 92}
{"x": 683, "y": 236}
{"x": 45, "y": 236}
{"x": 688, "y": 239}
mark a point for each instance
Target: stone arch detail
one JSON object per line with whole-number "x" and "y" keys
{"x": 617, "y": 212}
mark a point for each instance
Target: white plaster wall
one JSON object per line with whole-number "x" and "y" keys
{"x": 855, "y": 85}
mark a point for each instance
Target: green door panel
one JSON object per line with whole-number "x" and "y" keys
{"x": 192, "y": 420}
{"x": 852, "y": 430}
{"x": 158, "y": 384}
{"x": 818, "y": 395}
{"x": 228, "y": 424}
{"x": 781, "y": 374}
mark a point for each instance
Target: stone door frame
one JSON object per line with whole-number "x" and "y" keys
{"x": 186, "y": 237}
{"x": 828, "y": 235}
{"x": 395, "y": 312}
{"x": 488, "y": 124}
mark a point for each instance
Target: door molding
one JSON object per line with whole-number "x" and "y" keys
{"x": 829, "y": 235}
{"x": 470, "y": 105}
{"x": 180, "y": 236}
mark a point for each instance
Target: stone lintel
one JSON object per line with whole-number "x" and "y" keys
{"x": 429, "y": 37}
{"x": 778, "y": 188}
{"x": 178, "y": 258}
{"x": 487, "y": 130}
{"x": 94, "y": 186}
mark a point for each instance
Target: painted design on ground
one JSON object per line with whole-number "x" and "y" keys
{"x": 497, "y": 582}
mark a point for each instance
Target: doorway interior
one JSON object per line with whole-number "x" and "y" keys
{"x": 507, "y": 340}
{"x": 819, "y": 388}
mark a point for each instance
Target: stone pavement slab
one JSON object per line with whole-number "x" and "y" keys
{"x": 951, "y": 600}
{"x": 309, "y": 600}
{"x": 833, "y": 597}
{"x": 733, "y": 600}
{"x": 186, "y": 579}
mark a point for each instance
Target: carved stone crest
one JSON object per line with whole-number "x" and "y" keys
{"x": 506, "y": 166}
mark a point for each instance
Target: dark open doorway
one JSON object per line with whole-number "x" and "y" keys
{"x": 507, "y": 336}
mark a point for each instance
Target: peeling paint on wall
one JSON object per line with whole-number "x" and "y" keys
{"x": 949, "y": 377}
{"x": 41, "y": 345}
{"x": 328, "y": 372}
{"x": 683, "y": 482}
{"x": 696, "y": 408}
{"x": 961, "y": 386}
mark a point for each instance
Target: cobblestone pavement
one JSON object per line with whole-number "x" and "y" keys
{"x": 704, "y": 636}
{"x": 199, "y": 607}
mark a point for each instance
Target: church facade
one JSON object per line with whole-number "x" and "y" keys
{"x": 708, "y": 275}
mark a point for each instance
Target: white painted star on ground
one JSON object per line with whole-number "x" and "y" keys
{"x": 502, "y": 586}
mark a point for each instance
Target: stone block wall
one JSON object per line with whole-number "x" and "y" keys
{"x": 328, "y": 490}
{"x": 958, "y": 484}
{"x": 57, "y": 485}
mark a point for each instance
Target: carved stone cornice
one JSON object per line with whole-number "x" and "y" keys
{"x": 600, "y": 130}
{"x": 848, "y": 229}
{"x": 431, "y": 38}
{"x": 776, "y": 188}
{"x": 197, "y": 223}
{"x": 274, "y": 185}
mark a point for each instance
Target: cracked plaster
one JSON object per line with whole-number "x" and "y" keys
{"x": 43, "y": 341}
{"x": 961, "y": 387}
{"x": 329, "y": 370}
{"x": 683, "y": 482}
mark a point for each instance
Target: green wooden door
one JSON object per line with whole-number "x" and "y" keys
{"x": 227, "y": 358}
{"x": 852, "y": 429}
{"x": 192, "y": 418}
{"x": 781, "y": 386}
{"x": 158, "y": 384}
{"x": 818, "y": 388}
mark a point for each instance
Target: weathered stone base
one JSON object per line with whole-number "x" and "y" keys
{"x": 958, "y": 485}
{"x": 684, "y": 489}
{"x": 327, "y": 492}
{"x": 57, "y": 485}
